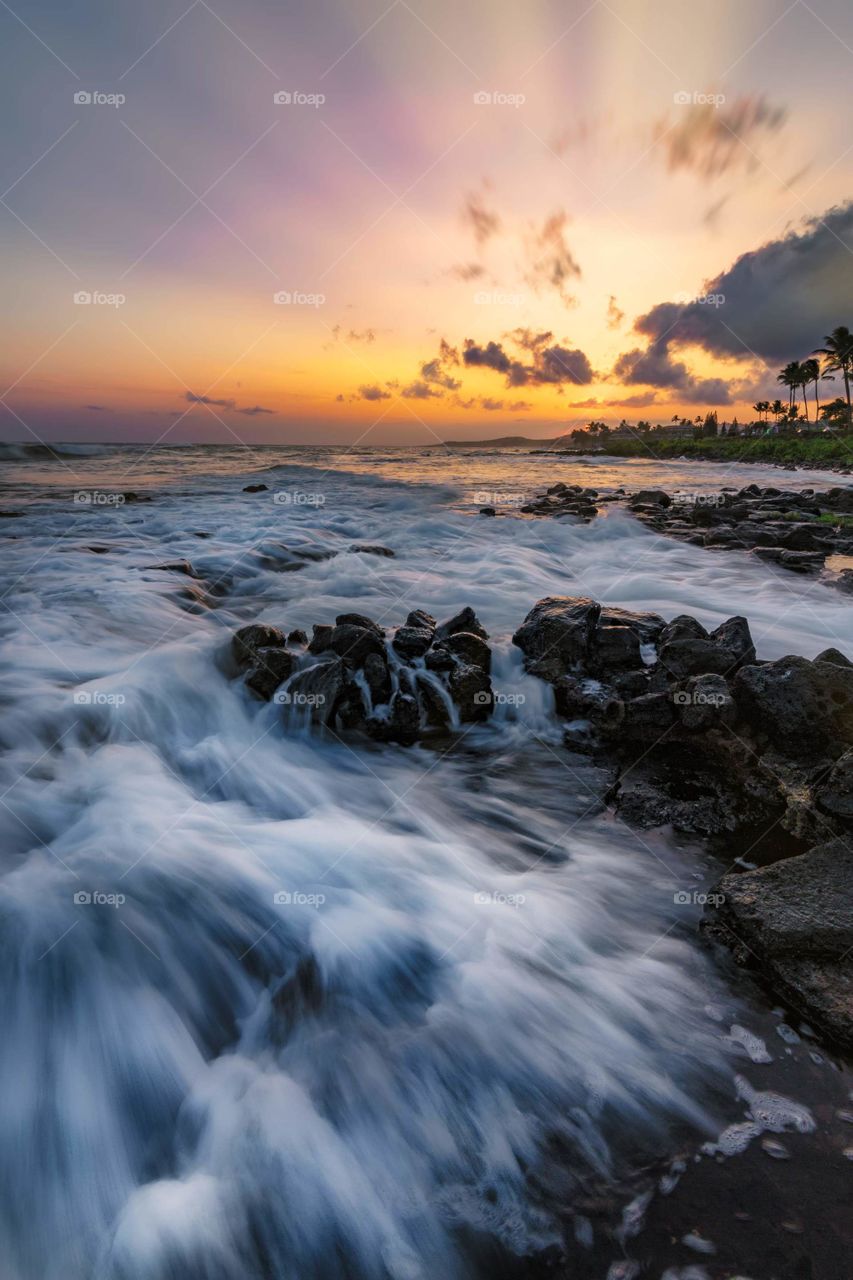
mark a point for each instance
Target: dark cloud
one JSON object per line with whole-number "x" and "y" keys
{"x": 486, "y": 402}
{"x": 550, "y": 262}
{"x": 353, "y": 335}
{"x": 551, "y": 362}
{"x": 777, "y": 301}
{"x": 96, "y": 408}
{"x": 655, "y": 367}
{"x": 219, "y": 404}
{"x": 707, "y": 138}
{"x": 373, "y": 392}
{"x": 419, "y": 390}
{"x": 255, "y": 410}
{"x": 483, "y": 222}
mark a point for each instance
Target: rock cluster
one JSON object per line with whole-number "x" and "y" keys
{"x": 795, "y": 530}
{"x": 351, "y": 676}
{"x": 565, "y": 500}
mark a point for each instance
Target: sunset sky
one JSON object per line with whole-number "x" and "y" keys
{"x": 456, "y": 267}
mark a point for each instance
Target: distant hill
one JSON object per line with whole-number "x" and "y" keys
{"x": 505, "y": 442}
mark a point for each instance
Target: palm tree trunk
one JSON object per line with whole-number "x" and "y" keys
{"x": 847, "y": 389}
{"x": 806, "y": 404}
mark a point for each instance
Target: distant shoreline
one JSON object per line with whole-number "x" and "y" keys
{"x": 821, "y": 452}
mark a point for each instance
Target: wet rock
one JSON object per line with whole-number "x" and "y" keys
{"x": 615, "y": 648}
{"x": 402, "y": 724}
{"x": 319, "y": 687}
{"x": 371, "y": 549}
{"x": 412, "y": 642}
{"x": 488, "y": 511}
{"x": 471, "y": 690}
{"x": 176, "y": 566}
{"x": 470, "y": 648}
{"x": 421, "y": 619}
{"x": 803, "y": 708}
{"x": 297, "y": 637}
{"x": 248, "y": 641}
{"x": 439, "y": 659}
{"x": 794, "y": 919}
{"x": 557, "y": 633}
{"x": 835, "y": 796}
{"x": 350, "y": 641}
{"x": 651, "y": 497}
{"x": 273, "y": 666}
{"x": 255, "y": 488}
{"x": 682, "y": 627}
{"x": 320, "y": 633}
{"x": 359, "y": 620}
{"x": 648, "y": 626}
{"x": 465, "y": 620}
{"x": 734, "y": 635}
{"x": 378, "y": 678}
{"x": 648, "y": 718}
{"x": 131, "y": 496}
{"x": 705, "y": 703}
{"x": 684, "y": 658}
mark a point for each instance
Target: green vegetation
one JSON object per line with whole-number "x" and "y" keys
{"x": 836, "y": 520}
{"x": 813, "y": 451}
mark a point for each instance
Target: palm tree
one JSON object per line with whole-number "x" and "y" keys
{"x": 777, "y": 409}
{"x": 761, "y": 407}
{"x": 790, "y": 378}
{"x": 838, "y": 353}
{"x": 811, "y": 372}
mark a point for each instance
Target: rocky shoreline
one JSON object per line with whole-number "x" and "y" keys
{"x": 797, "y": 530}
{"x": 694, "y": 730}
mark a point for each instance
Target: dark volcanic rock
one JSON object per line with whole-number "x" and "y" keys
{"x": 734, "y": 635}
{"x": 297, "y": 637}
{"x": 378, "y": 678}
{"x": 471, "y": 690}
{"x": 804, "y": 708}
{"x": 696, "y": 657}
{"x": 647, "y": 626}
{"x": 835, "y": 657}
{"x": 557, "y": 633}
{"x": 319, "y": 687}
{"x": 795, "y": 919}
{"x": 371, "y": 549}
{"x": 835, "y": 796}
{"x": 412, "y": 642}
{"x": 349, "y": 641}
{"x": 420, "y": 618}
{"x": 616, "y": 648}
{"x": 402, "y": 724}
{"x": 273, "y": 666}
{"x": 465, "y": 620}
{"x": 359, "y": 620}
{"x": 651, "y": 497}
{"x": 705, "y": 703}
{"x": 682, "y": 627}
{"x": 176, "y": 566}
{"x": 648, "y": 718}
{"x": 248, "y": 641}
{"x": 470, "y": 648}
{"x": 255, "y": 488}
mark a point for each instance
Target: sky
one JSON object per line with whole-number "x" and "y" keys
{"x": 406, "y": 222}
